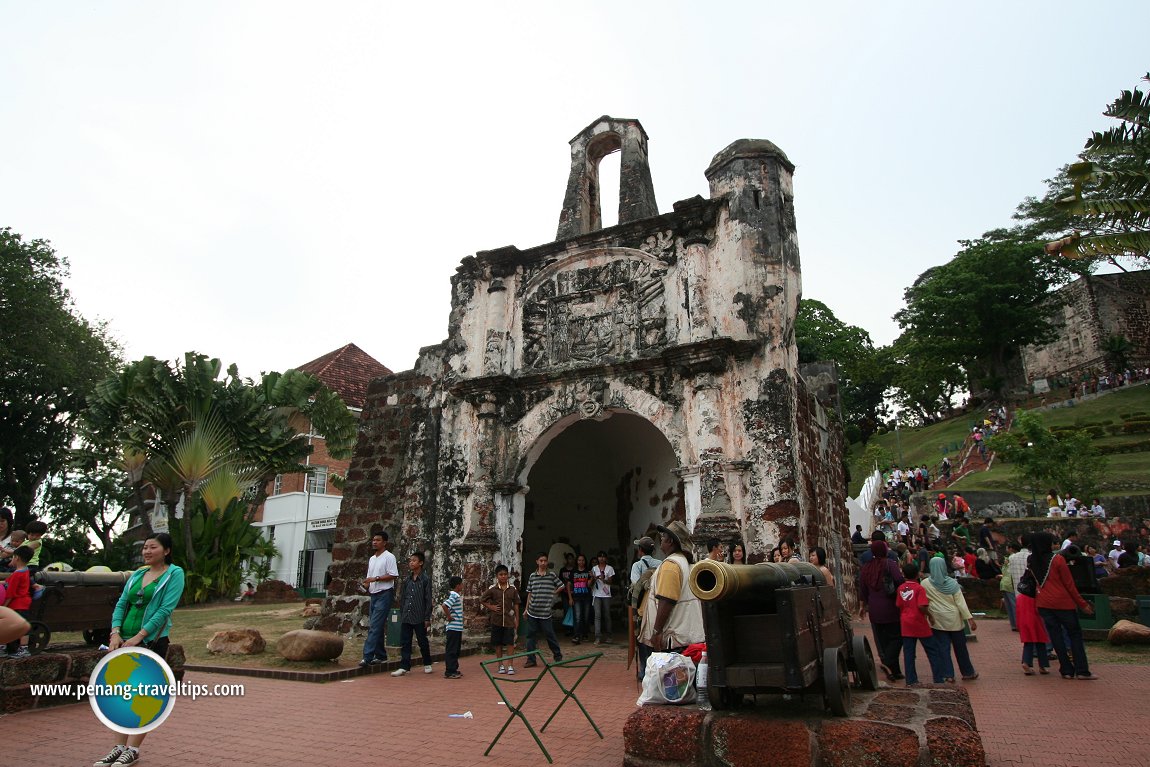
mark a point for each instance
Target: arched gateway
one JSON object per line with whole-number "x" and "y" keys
{"x": 603, "y": 383}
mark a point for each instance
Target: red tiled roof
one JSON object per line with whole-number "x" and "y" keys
{"x": 347, "y": 371}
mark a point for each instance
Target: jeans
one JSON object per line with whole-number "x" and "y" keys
{"x": 888, "y": 642}
{"x": 1032, "y": 650}
{"x": 1056, "y": 622}
{"x": 1008, "y": 600}
{"x": 909, "y": 645}
{"x": 420, "y": 631}
{"x": 582, "y": 607}
{"x": 451, "y": 652}
{"x": 945, "y": 640}
{"x": 535, "y": 626}
{"x": 375, "y": 647}
{"x": 602, "y": 617}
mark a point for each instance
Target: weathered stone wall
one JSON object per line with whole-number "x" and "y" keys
{"x": 684, "y": 319}
{"x": 66, "y": 667}
{"x": 1093, "y": 308}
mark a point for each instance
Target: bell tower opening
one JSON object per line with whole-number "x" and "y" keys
{"x": 599, "y": 485}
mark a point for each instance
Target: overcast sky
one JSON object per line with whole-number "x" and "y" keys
{"x": 265, "y": 182}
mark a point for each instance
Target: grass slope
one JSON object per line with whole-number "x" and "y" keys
{"x": 1128, "y": 473}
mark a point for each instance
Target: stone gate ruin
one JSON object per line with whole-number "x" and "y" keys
{"x": 605, "y": 382}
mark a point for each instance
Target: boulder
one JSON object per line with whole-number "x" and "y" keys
{"x": 305, "y": 644}
{"x": 275, "y": 591}
{"x": 310, "y": 611}
{"x": 1123, "y": 606}
{"x": 1128, "y": 632}
{"x": 237, "y": 642}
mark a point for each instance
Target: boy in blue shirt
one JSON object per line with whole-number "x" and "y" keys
{"x": 453, "y": 613}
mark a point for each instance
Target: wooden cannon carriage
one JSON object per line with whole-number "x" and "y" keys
{"x": 74, "y": 602}
{"x": 778, "y": 628}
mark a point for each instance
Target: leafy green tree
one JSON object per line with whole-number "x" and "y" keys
{"x": 88, "y": 493}
{"x": 1108, "y": 208}
{"x": 1118, "y": 349}
{"x": 209, "y": 445}
{"x": 863, "y": 377}
{"x": 923, "y": 383}
{"x": 1042, "y": 459}
{"x": 976, "y": 310}
{"x": 50, "y": 359}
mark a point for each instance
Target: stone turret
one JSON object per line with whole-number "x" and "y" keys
{"x": 582, "y": 213}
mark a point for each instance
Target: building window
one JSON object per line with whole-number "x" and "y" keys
{"x": 271, "y": 532}
{"x": 317, "y": 480}
{"x": 278, "y": 484}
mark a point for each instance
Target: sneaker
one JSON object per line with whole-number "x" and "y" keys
{"x": 364, "y": 663}
{"x": 502, "y": 670}
{"x": 530, "y": 664}
{"x": 455, "y": 675}
{"x": 598, "y": 641}
{"x": 378, "y": 659}
{"x": 559, "y": 657}
{"x": 399, "y": 672}
{"x": 21, "y": 653}
{"x": 3, "y": 651}
{"x": 510, "y": 671}
{"x": 127, "y": 756}
{"x": 111, "y": 758}
{"x": 427, "y": 669}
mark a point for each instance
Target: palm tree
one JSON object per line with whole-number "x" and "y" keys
{"x": 1112, "y": 187}
{"x": 1117, "y": 349}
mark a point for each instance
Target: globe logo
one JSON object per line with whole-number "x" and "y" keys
{"x": 131, "y": 690}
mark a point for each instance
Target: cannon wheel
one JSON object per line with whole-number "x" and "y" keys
{"x": 836, "y": 684}
{"x": 862, "y": 662}
{"x": 38, "y": 637}
{"x": 97, "y": 636}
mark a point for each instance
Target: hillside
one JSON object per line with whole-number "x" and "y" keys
{"x": 1129, "y": 472}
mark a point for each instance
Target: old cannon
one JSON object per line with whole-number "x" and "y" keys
{"x": 74, "y": 602}
{"x": 778, "y": 628}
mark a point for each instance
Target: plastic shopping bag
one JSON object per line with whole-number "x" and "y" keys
{"x": 668, "y": 679}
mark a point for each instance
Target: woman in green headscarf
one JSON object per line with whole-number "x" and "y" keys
{"x": 947, "y": 614}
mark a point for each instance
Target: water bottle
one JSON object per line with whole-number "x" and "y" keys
{"x": 703, "y": 699}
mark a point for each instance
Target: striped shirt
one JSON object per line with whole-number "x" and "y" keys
{"x": 541, "y": 591}
{"x": 416, "y": 602}
{"x": 454, "y": 603}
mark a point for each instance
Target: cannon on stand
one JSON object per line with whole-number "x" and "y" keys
{"x": 74, "y": 602}
{"x": 778, "y": 628}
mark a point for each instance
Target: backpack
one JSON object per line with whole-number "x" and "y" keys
{"x": 637, "y": 591}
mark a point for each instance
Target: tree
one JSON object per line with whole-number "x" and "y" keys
{"x": 1042, "y": 459}
{"x": 1108, "y": 207}
{"x": 1118, "y": 350}
{"x": 863, "y": 377}
{"x": 209, "y": 446}
{"x": 924, "y": 383}
{"x": 976, "y": 310}
{"x": 50, "y": 359}
{"x": 88, "y": 493}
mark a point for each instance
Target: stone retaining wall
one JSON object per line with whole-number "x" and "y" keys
{"x": 922, "y": 727}
{"x": 73, "y": 667}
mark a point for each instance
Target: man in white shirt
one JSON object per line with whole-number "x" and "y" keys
{"x": 1115, "y": 553}
{"x": 1097, "y": 509}
{"x": 380, "y": 584}
{"x": 1071, "y": 540}
{"x": 602, "y": 576}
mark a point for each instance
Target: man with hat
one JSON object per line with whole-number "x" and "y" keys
{"x": 637, "y": 592}
{"x": 672, "y": 614}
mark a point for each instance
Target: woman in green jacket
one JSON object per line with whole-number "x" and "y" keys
{"x": 142, "y": 618}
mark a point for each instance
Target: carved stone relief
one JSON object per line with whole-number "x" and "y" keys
{"x": 615, "y": 310}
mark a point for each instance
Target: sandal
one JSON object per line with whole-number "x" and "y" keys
{"x": 1043, "y": 670}
{"x": 1027, "y": 670}
{"x": 1087, "y": 677}
{"x": 970, "y": 678}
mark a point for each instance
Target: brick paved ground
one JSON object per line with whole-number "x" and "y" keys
{"x": 1040, "y": 721}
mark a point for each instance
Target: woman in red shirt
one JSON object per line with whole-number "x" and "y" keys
{"x": 1057, "y": 601}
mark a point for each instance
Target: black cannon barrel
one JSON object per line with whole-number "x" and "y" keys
{"x": 711, "y": 580}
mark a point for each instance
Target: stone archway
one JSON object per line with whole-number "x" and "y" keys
{"x": 597, "y": 484}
